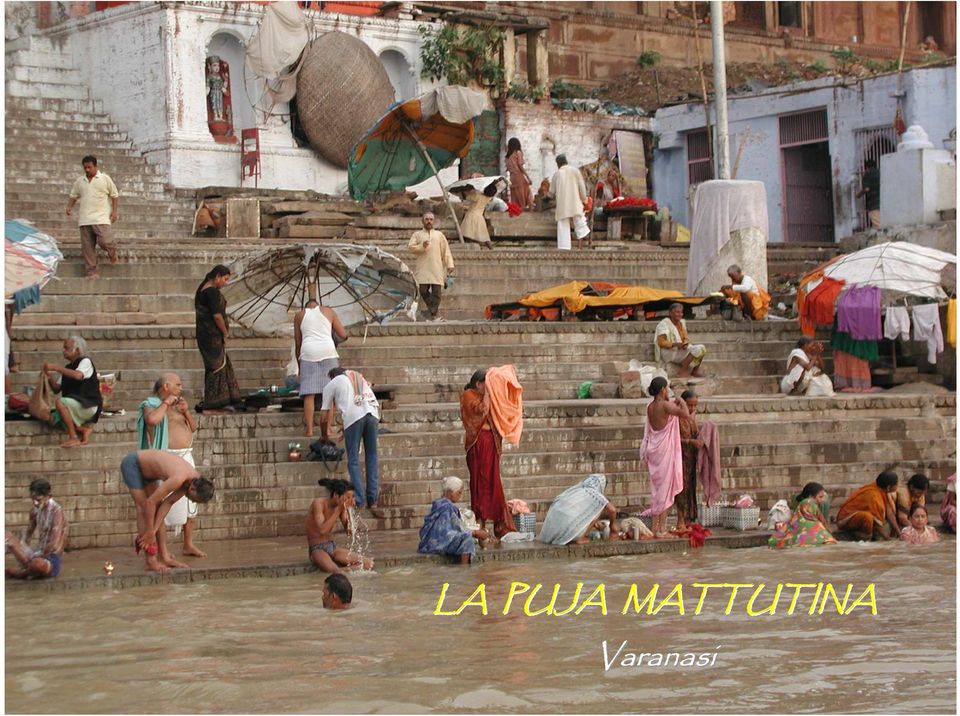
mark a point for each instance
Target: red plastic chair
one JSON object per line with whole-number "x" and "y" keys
{"x": 250, "y": 155}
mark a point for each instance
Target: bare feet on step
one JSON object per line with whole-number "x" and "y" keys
{"x": 193, "y": 551}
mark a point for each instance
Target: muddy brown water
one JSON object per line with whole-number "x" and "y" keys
{"x": 258, "y": 646}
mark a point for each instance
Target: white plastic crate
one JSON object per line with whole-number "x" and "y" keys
{"x": 741, "y": 518}
{"x": 525, "y": 522}
{"x": 710, "y": 516}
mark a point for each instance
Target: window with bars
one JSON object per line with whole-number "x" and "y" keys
{"x": 699, "y": 164}
{"x": 803, "y": 128}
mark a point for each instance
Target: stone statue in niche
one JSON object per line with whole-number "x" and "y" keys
{"x": 219, "y": 109}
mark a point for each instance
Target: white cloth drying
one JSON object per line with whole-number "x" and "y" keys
{"x": 926, "y": 327}
{"x": 897, "y": 323}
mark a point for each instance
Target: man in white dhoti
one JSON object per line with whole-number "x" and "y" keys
{"x": 570, "y": 191}
{"x": 671, "y": 344}
{"x": 165, "y": 423}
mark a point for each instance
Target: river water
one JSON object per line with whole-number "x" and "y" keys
{"x": 266, "y": 645}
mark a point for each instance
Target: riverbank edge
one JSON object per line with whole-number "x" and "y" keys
{"x": 521, "y": 552}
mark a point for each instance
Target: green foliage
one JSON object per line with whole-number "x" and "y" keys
{"x": 561, "y": 89}
{"x": 845, "y": 58}
{"x": 818, "y": 66}
{"x": 648, "y": 59}
{"x": 460, "y": 55}
{"x": 523, "y": 92}
{"x": 932, "y": 57}
{"x": 873, "y": 65}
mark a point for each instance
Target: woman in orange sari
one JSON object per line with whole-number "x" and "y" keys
{"x": 870, "y": 512}
{"x": 483, "y": 446}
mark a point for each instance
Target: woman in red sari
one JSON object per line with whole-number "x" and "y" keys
{"x": 483, "y": 446}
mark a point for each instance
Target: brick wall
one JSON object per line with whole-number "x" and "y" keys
{"x": 591, "y": 43}
{"x": 545, "y": 132}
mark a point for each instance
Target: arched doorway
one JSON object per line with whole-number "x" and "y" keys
{"x": 401, "y": 77}
{"x": 229, "y": 49}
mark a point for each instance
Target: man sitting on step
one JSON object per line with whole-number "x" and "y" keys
{"x": 156, "y": 480}
{"x": 49, "y": 521}
{"x": 744, "y": 292}
{"x": 322, "y": 518}
{"x": 671, "y": 344}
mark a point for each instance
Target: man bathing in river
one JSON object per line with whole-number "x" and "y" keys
{"x": 322, "y": 517}
{"x": 50, "y": 524}
{"x": 337, "y": 592}
{"x": 157, "y": 479}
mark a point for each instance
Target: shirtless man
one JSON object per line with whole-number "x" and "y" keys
{"x": 337, "y": 592}
{"x": 156, "y": 480}
{"x": 166, "y": 423}
{"x": 49, "y": 522}
{"x": 322, "y": 517}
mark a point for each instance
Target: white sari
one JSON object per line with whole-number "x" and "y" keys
{"x": 573, "y": 510}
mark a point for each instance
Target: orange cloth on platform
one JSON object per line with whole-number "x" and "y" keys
{"x": 617, "y": 295}
{"x": 506, "y": 402}
{"x": 549, "y": 296}
{"x": 860, "y": 510}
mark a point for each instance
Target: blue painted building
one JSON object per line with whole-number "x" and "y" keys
{"x": 807, "y": 142}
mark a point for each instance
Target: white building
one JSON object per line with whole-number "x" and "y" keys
{"x": 146, "y": 62}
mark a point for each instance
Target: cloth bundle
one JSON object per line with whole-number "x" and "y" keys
{"x": 506, "y": 402}
{"x": 518, "y": 507}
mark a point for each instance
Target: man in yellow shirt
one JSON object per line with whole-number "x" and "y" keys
{"x": 98, "y": 197}
{"x": 434, "y": 264}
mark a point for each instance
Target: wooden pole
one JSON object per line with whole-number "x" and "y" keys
{"x": 436, "y": 173}
{"x": 703, "y": 82}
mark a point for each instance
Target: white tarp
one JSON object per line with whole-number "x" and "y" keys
{"x": 279, "y": 41}
{"x": 455, "y": 104}
{"x": 723, "y": 208}
{"x": 898, "y": 267}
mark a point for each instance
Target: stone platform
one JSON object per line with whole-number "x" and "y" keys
{"x": 286, "y": 556}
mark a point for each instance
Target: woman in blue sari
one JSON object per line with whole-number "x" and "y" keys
{"x": 443, "y": 530}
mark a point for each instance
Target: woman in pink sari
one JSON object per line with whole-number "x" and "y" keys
{"x": 660, "y": 450}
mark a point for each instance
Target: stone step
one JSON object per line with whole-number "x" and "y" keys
{"x": 887, "y": 411}
{"x": 45, "y": 125}
{"x": 84, "y": 107}
{"x": 45, "y": 90}
{"x": 410, "y": 460}
{"x": 37, "y": 129}
{"x": 440, "y": 433}
{"x": 237, "y": 513}
{"x": 48, "y": 72}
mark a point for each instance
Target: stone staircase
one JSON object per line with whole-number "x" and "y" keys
{"x": 51, "y": 122}
{"x": 155, "y": 283}
{"x": 771, "y": 447}
{"x": 138, "y": 320}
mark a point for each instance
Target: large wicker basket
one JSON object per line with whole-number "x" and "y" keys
{"x": 342, "y": 90}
